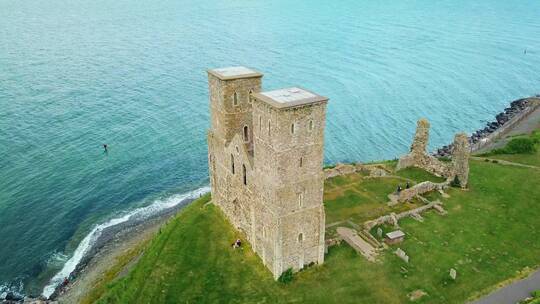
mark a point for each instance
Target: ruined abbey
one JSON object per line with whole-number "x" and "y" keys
{"x": 265, "y": 152}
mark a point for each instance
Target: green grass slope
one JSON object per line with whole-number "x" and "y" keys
{"x": 532, "y": 158}
{"x": 491, "y": 233}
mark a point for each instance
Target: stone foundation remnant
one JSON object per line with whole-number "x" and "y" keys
{"x": 265, "y": 158}
{"x": 418, "y": 189}
{"x": 460, "y": 158}
{"x": 393, "y": 219}
{"x": 360, "y": 245}
{"x": 345, "y": 169}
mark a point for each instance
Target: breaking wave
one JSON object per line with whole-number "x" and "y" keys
{"x": 137, "y": 214}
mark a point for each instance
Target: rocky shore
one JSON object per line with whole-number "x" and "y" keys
{"x": 517, "y": 110}
{"x": 111, "y": 243}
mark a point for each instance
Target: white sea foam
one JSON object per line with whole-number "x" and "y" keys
{"x": 89, "y": 240}
{"x": 15, "y": 288}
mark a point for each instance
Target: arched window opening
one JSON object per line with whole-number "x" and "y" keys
{"x": 292, "y": 128}
{"x": 311, "y": 125}
{"x": 232, "y": 164}
{"x": 300, "y": 237}
{"x": 249, "y": 95}
{"x": 235, "y": 99}
{"x": 260, "y": 124}
{"x": 300, "y": 199}
{"x": 301, "y": 163}
{"x": 244, "y": 174}
{"x": 269, "y": 128}
{"x": 246, "y": 134}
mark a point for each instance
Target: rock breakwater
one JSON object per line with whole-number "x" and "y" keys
{"x": 503, "y": 122}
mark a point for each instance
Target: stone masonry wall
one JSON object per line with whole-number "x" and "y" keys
{"x": 460, "y": 158}
{"x": 418, "y": 157}
{"x": 270, "y": 187}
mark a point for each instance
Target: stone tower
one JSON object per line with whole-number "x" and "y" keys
{"x": 230, "y": 144}
{"x": 268, "y": 178}
{"x": 288, "y": 135}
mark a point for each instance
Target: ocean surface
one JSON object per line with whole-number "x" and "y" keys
{"x": 77, "y": 74}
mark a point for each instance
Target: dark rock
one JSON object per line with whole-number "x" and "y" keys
{"x": 12, "y": 296}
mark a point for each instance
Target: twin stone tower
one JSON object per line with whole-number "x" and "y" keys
{"x": 265, "y": 153}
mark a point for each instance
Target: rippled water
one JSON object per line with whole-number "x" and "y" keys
{"x": 77, "y": 74}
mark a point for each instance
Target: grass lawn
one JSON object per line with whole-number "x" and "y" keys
{"x": 352, "y": 198}
{"x": 491, "y": 233}
{"x": 419, "y": 175}
{"x": 532, "y": 159}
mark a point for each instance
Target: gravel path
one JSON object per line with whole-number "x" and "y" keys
{"x": 514, "y": 292}
{"x": 505, "y": 162}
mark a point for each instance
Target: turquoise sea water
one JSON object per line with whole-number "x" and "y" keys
{"x": 77, "y": 74}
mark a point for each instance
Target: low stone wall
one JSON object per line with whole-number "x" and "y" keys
{"x": 426, "y": 162}
{"x": 393, "y": 218}
{"x": 345, "y": 169}
{"x": 418, "y": 189}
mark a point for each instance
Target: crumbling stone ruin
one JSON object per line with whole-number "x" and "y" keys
{"x": 265, "y": 156}
{"x": 418, "y": 157}
{"x": 460, "y": 159}
{"x": 393, "y": 218}
{"x": 345, "y": 169}
{"x": 406, "y": 195}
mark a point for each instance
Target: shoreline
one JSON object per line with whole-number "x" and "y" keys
{"x": 505, "y": 121}
{"x": 118, "y": 239}
{"x": 104, "y": 256}
{"x": 103, "y": 245}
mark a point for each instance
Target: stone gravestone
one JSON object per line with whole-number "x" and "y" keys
{"x": 379, "y": 232}
{"x": 453, "y": 273}
{"x": 402, "y": 255}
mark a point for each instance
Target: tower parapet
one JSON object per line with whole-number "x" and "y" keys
{"x": 230, "y": 103}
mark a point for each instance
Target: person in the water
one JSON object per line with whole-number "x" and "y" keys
{"x": 105, "y": 148}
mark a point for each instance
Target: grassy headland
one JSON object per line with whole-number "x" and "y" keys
{"x": 490, "y": 234}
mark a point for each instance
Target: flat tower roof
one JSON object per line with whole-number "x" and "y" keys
{"x": 289, "y": 97}
{"x": 234, "y": 73}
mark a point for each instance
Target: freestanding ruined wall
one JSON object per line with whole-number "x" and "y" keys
{"x": 460, "y": 158}
{"x": 418, "y": 157}
{"x": 421, "y": 137}
{"x": 265, "y": 152}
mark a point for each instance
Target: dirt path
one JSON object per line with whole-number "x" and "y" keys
{"x": 504, "y": 162}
